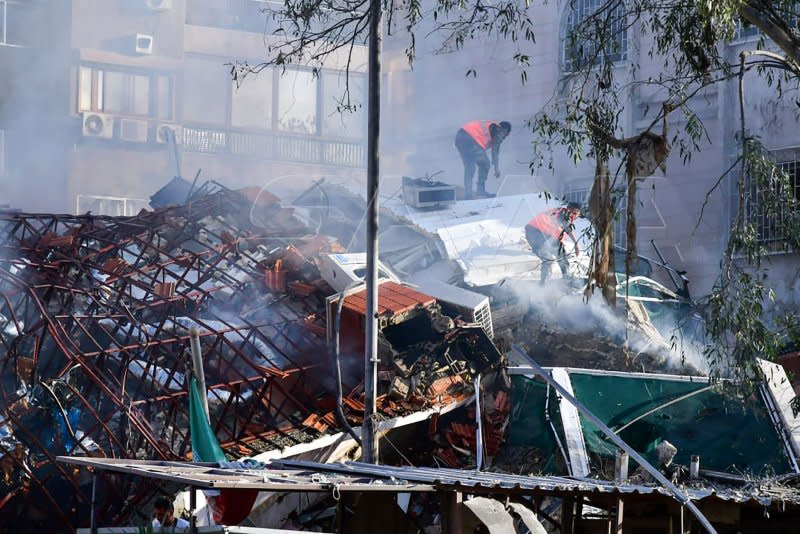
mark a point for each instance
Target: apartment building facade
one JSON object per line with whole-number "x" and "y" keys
{"x": 482, "y": 81}
{"x": 117, "y": 80}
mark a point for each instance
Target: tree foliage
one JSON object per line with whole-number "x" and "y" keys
{"x": 688, "y": 40}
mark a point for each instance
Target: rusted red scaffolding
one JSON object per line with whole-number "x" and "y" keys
{"x": 95, "y": 315}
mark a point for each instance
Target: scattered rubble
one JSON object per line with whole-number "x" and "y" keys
{"x": 95, "y": 314}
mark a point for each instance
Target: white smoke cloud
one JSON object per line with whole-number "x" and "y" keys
{"x": 561, "y": 304}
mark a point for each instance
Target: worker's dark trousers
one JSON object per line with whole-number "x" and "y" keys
{"x": 548, "y": 249}
{"x": 472, "y": 155}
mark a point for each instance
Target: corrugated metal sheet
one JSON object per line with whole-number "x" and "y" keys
{"x": 290, "y": 475}
{"x": 763, "y": 494}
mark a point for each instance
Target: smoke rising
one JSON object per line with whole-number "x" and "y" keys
{"x": 560, "y": 305}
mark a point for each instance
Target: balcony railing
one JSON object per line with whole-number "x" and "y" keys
{"x": 281, "y": 147}
{"x": 106, "y": 205}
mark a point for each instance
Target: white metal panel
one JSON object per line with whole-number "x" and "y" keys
{"x": 782, "y": 394}
{"x": 573, "y": 431}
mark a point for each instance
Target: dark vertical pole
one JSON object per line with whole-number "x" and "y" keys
{"x": 451, "y": 512}
{"x": 193, "y": 510}
{"x": 567, "y": 514}
{"x": 369, "y": 436}
{"x": 93, "y": 513}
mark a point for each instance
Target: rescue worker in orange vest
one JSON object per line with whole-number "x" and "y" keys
{"x": 472, "y": 141}
{"x": 546, "y": 232}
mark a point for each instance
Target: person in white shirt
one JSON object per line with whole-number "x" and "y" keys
{"x": 165, "y": 516}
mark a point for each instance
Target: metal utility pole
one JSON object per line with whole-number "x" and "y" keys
{"x": 369, "y": 438}
{"x": 197, "y": 368}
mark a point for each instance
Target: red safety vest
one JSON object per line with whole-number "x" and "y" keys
{"x": 548, "y": 223}
{"x": 479, "y": 131}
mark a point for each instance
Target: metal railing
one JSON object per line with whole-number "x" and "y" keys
{"x": 769, "y": 211}
{"x": 275, "y": 146}
{"x": 581, "y": 196}
{"x": 106, "y": 205}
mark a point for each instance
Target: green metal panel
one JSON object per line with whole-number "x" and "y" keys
{"x": 529, "y": 427}
{"x": 727, "y": 434}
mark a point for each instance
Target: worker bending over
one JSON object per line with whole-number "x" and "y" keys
{"x": 472, "y": 141}
{"x": 546, "y": 233}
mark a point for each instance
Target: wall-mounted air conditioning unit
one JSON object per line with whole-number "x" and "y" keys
{"x": 471, "y": 306}
{"x": 144, "y": 44}
{"x": 98, "y": 125}
{"x": 158, "y": 5}
{"x": 340, "y": 270}
{"x": 166, "y": 130}
{"x": 133, "y": 130}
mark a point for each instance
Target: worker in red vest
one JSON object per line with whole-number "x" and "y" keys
{"x": 546, "y": 233}
{"x": 472, "y": 141}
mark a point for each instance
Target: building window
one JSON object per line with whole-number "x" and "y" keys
{"x": 242, "y": 15}
{"x": 744, "y": 33}
{"x": 586, "y": 21}
{"x": 336, "y": 121}
{"x": 13, "y": 23}
{"x": 165, "y": 98}
{"x": 124, "y": 93}
{"x": 251, "y": 101}
{"x": 297, "y": 101}
{"x": 205, "y": 90}
{"x": 773, "y": 210}
{"x": 2, "y": 153}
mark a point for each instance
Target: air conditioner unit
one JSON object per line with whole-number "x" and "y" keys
{"x": 471, "y": 306}
{"x": 133, "y": 130}
{"x": 98, "y": 125}
{"x": 144, "y": 44}
{"x": 341, "y": 270}
{"x": 426, "y": 193}
{"x": 158, "y": 5}
{"x": 164, "y": 130}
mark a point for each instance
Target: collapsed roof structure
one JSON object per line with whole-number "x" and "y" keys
{"x": 95, "y": 321}
{"x": 97, "y": 314}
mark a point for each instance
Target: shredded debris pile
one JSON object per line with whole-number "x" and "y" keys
{"x": 95, "y": 321}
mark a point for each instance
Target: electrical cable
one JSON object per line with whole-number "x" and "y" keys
{"x": 666, "y": 404}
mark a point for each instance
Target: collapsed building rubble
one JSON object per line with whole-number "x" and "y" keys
{"x": 480, "y": 245}
{"x": 95, "y": 321}
{"x": 96, "y": 315}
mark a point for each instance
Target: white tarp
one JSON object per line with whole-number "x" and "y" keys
{"x": 492, "y": 514}
{"x": 529, "y": 519}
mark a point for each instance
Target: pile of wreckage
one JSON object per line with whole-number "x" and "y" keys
{"x": 98, "y": 316}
